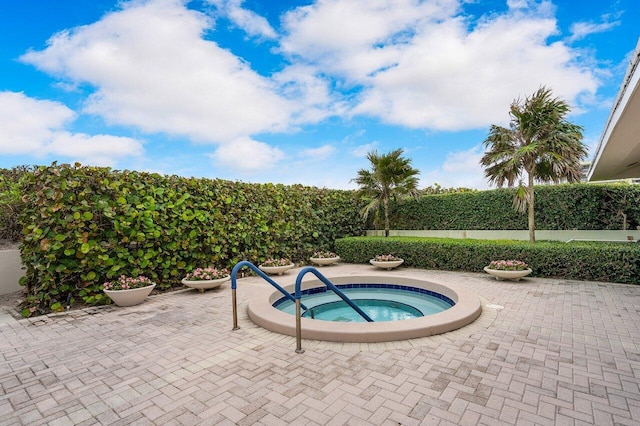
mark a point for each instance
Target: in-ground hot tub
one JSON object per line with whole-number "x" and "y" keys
{"x": 466, "y": 309}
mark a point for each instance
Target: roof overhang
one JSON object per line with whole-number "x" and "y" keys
{"x": 618, "y": 152}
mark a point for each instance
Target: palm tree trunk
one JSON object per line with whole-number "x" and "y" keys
{"x": 532, "y": 226}
{"x": 386, "y": 216}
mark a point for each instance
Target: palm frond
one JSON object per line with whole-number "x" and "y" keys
{"x": 539, "y": 143}
{"x": 522, "y": 198}
{"x": 391, "y": 176}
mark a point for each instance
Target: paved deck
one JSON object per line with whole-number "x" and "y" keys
{"x": 557, "y": 352}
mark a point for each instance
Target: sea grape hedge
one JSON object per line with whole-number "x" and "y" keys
{"x": 83, "y": 226}
{"x": 557, "y": 207}
{"x": 610, "y": 262}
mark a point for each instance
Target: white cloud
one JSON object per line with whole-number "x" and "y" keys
{"x": 249, "y": 21}
{"x": 447, "y": 89}
{"x": 319, "y": 153}
{"x": 152, "y": 69}
{"x": 416, "y": 64}
{"x": 354, "y": 38}
{"x": 37, "y": 127}
{"x": 27, "y": 124}
{"x": 97, "y": 150}
{"x": 517, "y": 4}
{"x": 363, "y": 150}
{"x": 247, "y": 155}
{"x": 421, "y": 65}
{"x": 462, "y": 161}
{"x": 591, "y": 142}
{"x": 544, "y": 7}
{"x": 310, "y": 91}
{"x": 580, "y": 30}
{"x": 460, "y": 169}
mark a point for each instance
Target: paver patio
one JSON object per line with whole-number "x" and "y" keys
{"x": 557, "y": 352}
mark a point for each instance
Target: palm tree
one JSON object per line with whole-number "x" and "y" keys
{"x": 391, "y": 176}
{"x": 540, "y": 143}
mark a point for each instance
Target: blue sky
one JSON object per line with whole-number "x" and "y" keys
{"x": 296, "y": 91}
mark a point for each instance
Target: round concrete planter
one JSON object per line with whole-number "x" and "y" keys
{"x": 203, "y": 285}
{"x": 388, "y": 265}
{"x": 323, "y": 261}
{"x": 507, "y": 275}
{"x": 131, "y": 297}
{"x": 275, "y": 270}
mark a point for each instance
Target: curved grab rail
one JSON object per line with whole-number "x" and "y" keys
{"x": 257, "y": 270}
{"x": 332, "y": 287}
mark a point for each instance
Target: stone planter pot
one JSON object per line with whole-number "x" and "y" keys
{"x": 130, "y": 297}
{"x": 507, "y": 275}
{"x": 323, "y": 261}
{"x": 275, "y": 270}
{"x": 203, "y": 285}
{"x": 388, "y": 265}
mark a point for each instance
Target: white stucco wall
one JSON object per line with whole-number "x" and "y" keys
{"x": 10, "y": 271}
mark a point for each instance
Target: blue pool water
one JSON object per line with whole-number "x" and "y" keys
{"x": 382, "y": 302}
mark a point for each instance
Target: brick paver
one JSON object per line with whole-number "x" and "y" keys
{"x": 543, "y": 352}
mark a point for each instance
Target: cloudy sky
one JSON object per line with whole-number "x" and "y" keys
{"x": 296, "y": 91}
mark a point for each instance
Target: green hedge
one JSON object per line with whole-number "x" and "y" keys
{"x": 610, "y": 262}
{"x": 557, "y": 207}
{"x": 11, "y": 202}
{"x": 83, "y": 226}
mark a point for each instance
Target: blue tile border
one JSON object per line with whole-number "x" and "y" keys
{"x": 371, "y": 285}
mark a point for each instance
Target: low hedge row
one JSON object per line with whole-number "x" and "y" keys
{"x": 610, "y": 262}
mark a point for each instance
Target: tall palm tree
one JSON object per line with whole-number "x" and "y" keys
{"x": 391, "y": 176}
{"x": 539, "y": 143}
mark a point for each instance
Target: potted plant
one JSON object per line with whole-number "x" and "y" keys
{"x": 276, "y": 266}
{"x": 386, "y": 261}
{"x": 206, "y": 278}
{"x": 128, "y": 291}
{"x": 323, "y": 258}
{"x": 508, "y": 269}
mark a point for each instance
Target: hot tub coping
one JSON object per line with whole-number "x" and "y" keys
{"x": 466, "y": 310}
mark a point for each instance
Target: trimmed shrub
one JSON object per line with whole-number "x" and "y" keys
{"x": 11, "y": 202}
{"x": 610, "y": 262}
{"x": 83, "y": 226}
{"x": 557, "y": 207}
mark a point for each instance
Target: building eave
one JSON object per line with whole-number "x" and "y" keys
{"x": 618, "y": 152}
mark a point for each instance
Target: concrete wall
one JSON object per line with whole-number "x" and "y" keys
{"x": 518, "y": 235}
{"x": 10, "y": 271}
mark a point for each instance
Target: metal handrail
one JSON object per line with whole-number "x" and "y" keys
{"x": 255, "y": 269}
{"x": 298, "y": 295}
